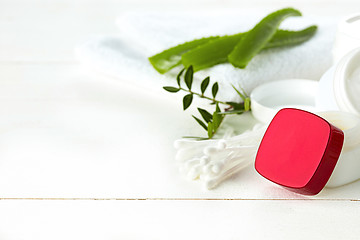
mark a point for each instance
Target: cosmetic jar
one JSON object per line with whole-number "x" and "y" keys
{"x": 299, "y": 151}
{"x": 304, "y": 152}
{"x": 337, "y": 90}
{"x": 335, "y": 98}
{"x": 347, "y": 168}
{"x": 339, "y": 87}
{"x": 267, "y": 99}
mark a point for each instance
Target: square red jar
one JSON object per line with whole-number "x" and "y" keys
{"x": 299, "y": 151}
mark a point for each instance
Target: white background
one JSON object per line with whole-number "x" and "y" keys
{"x": 86, "y": 156}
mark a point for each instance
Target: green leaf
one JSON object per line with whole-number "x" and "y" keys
{"x": 216, "y": 120}
{"x": 257, "y": 38}
{"x": 196, "y": 138}
{"x": 211, "y": 53}
{"x": 217, "y": 108}
{"x": 200, "y": 122}
{"x": 247, "y": 104}
{"x": 210, "y": 130}
{"x": 243, "y": 97}
{"x": 205, "y": 114}
{"x": 236, "y": 106}
{"x": 171, "y": 57}
{"x": 207, "y": 52}
{"x": 189, "y": 77}
{"x": 178, "y": 77}
{"x": 187, "y": 100}
{"x": 204, "y": 84}
{"x": 232, "y": 112}
{"x": 215, "y": 89}
{"x": 217, "y": 50}
{"x": 289, "y": 38}
{"x": 171, "y": 89}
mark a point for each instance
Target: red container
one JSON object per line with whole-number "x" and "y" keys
{"x": 299, "y": 151}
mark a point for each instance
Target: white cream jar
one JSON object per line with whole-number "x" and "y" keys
{"x": 339, "y": 87}
{"x": 347, "y": 168}
{"x": 336, "y": 98}
{"x": 339, "y": 90}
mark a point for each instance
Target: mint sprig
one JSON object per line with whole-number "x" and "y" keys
{"x": 210, "y": 122}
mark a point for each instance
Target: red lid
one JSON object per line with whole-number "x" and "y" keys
{"x": 299, "y": 151}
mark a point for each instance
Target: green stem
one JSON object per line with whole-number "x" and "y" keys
{"x": 203, "y": 96}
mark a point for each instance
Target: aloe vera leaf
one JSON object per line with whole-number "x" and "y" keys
{"x": 257, "y": 38}
{"x": 211, "y": 53}
{"x": 207, "y": 52}
{"x": 288, "y": 38}
{"x": 217, "y": 51}
{"x": 171, "y": 57}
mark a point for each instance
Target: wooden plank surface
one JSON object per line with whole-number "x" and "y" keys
{"x": 296, "y": 219}
{"x": 67, "y": 134}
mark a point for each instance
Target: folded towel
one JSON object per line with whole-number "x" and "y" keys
{"x": 144, "y": 34}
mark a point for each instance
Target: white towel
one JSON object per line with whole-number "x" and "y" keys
{"x": 144, "y": 34}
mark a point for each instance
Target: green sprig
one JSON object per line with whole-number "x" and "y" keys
{"x": 210, "y": 122}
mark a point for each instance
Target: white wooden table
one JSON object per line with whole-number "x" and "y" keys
{"x": 90, "y": 157}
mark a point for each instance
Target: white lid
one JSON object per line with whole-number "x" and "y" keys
{"x": 269, "y": 98}
{"x": 347, "y": 82}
